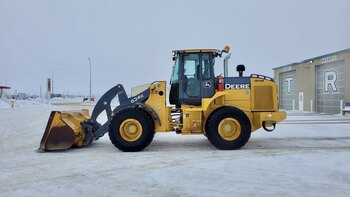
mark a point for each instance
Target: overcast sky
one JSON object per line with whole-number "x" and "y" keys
{"x": 130, "y": 42}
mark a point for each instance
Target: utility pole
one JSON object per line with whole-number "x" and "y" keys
{"x": 90, "y": 77}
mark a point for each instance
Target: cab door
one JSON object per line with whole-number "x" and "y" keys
{"x": 190, "y": 83}
{"x": 207, "y": 75}
{"x": 197, "y": 78}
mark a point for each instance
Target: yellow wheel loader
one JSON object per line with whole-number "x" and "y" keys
{"x": 225, "y": 109}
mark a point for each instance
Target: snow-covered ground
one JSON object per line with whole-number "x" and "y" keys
{"x": 307, "y": 155}
{"x": 39, "y": 102}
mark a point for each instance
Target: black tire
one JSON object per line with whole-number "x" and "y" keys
{"x": 213, "y": 122}
{"x": 147, "y": 130}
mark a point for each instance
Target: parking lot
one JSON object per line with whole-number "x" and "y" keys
{"x": 307, "y": 155}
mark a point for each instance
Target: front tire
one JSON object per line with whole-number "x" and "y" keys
{"x": 131, "y": 130}
{"x": 228, "y": 128}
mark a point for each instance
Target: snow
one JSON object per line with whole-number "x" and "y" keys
{"x": 4, "y": 104}
{"x": 307, "y": 155}
{"x": 43, "y": 103}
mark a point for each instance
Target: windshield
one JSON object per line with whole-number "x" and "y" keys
{"x": 175, "y": 75}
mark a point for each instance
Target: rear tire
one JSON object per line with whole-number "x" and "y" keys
{"x": 228, "y": 128}
{"x": 131, "y": 130}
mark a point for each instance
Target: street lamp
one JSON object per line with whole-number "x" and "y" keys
{"x": 53, "y": 72}
{"x": 90, "y": 77}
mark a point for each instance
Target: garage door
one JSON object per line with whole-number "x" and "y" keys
{"x": 287, "y": 91}
{"x": 330, "y": 87}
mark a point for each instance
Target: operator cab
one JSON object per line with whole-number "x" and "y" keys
{"x": 193, "y": 76}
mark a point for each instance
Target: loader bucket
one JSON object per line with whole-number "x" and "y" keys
{"x": 64, "y": 130}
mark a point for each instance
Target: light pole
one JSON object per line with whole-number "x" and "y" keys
{"x": 53, "y": 72}
{"x": 90, "y": 77}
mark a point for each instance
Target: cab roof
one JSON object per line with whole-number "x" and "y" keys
{"x": 197, "y": 51}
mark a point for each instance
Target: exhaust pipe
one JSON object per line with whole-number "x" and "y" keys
{"x": 225, "y": 64}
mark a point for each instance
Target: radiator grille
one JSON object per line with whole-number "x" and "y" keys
{"x": 263, "y": 98}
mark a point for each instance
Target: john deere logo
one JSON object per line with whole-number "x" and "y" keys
{"x": 207, "y": 84}
{"x": 236, "y": 86}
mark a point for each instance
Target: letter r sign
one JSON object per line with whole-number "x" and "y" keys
{"x": 330, "y": 79}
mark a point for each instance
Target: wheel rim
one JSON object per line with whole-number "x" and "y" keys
{"x": 229, "y": 129}
{"x": 130, "y": 130}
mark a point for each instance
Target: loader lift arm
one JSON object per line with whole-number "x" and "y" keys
{"x": 105, "y": 101}
{"x": 104, "y": 104}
